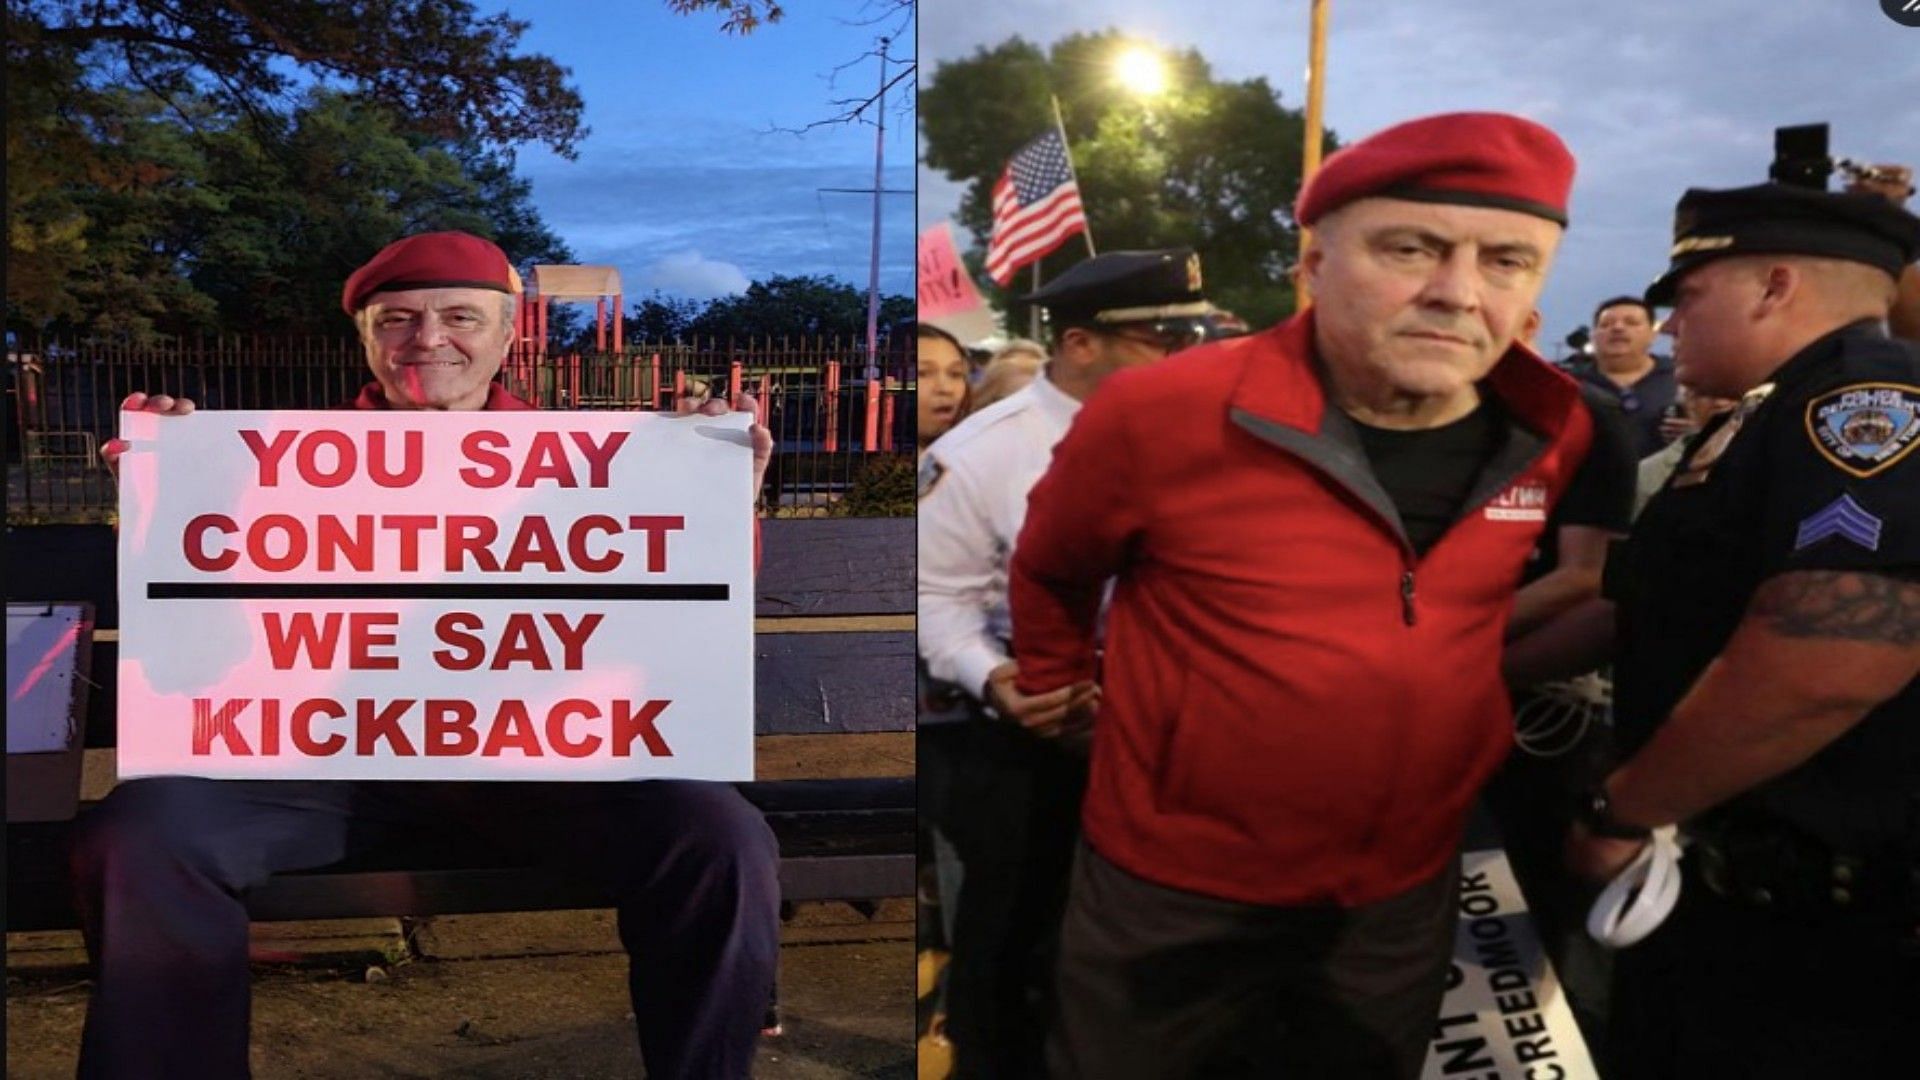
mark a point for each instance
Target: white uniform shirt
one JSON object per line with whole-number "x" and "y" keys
{"x": 975, "y": 481}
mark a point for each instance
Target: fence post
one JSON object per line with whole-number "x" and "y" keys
{"x": 833, "y": 406}
{"x": 653, "y": 382}
{"x": 733, "y": 382}
{"x": 886, "y": 417}
{"x": 873, "y": 415}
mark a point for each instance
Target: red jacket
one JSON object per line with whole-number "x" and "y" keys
{"x": 1296, "y": 710}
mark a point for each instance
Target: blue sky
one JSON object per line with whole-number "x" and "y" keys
{"x": 1652, "y": 96}
{"x": 683, "y": 184}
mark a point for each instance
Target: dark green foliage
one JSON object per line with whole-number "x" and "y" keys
{"x": 883, "y": 487}
{"x": 193, "y": 166}
{"x": 798, "y": 306}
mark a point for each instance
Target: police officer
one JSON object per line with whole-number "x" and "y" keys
{"x": 1769, "y": 647}
{"x": 1003, "y": 784}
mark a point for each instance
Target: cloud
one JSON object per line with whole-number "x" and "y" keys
{"x": 688, "y": 273}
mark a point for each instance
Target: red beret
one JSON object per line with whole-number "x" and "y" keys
{"x": 1473, "y": 159}
{"x": 436, "y": 260}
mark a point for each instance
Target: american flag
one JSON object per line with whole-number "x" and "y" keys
{"x": 1036, "y": 206}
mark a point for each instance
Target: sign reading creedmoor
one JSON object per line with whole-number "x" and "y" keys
{"x": 434, "y": 596}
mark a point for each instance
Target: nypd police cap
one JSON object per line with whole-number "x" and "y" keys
{"x": 1126, "y": 287}
{"x": 1779, "y": 219}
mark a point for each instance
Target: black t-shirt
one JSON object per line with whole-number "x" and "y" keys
{"x": 1429, "y": 473}
{"x": 1816, "y": 470}
{"x": 1601, "y": 492}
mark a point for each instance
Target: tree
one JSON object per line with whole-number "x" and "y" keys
{"x": 118, "y": 110}
{"x": 805, "y": 305}
{"x": 1211, "y": 164}
{"x": 438, "y": 65}
{"x": 895, "y": 16}
{"x": 329, "y": 186}
{"x": 194, "y": 222}
{"x": 660, "y": 317}
{"x": 800, "y": 306}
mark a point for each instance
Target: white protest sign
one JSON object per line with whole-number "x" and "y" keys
{"x": 436, "y": 596}
{"x": 1505, "y": 1016}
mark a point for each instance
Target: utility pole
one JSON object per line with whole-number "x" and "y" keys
{"x": 879, "y": 163}
{"x": 1310, "y": 153}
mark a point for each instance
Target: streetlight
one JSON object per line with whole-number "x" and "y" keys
{"x": 1141, "y": 70}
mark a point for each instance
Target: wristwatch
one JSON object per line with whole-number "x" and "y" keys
{"x": 1596, "y": 813}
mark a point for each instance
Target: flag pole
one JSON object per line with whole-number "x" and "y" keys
{"x": 1086, "y": 227}
{"x": 1033, "y": 310}
{"x": 1310, "y": 155}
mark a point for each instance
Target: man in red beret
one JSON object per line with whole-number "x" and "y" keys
{"x": 162, "y": 863}
{"x": 1316, "y": 532}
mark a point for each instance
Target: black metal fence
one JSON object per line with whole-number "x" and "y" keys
{"x": 836, "y": 418}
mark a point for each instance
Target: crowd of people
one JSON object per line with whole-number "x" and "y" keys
{"x": 1220, "y": 650}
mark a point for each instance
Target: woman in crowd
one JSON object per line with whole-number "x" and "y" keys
{"x": 943, "y": 394}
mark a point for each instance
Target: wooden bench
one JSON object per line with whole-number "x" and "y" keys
{"x": 834, "y": 656}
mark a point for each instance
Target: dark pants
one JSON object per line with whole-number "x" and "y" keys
{"x": 161, "y": 866}
{"x": 1157, "y": 982}
{"x": 1009, "y": 803}
{"x": 1722, "y": 989}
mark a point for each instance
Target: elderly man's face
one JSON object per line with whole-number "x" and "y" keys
{"x": 1424, "y": 297}
{"x": 436, "y": 348}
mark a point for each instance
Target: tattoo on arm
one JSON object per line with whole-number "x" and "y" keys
{"x": 1881, "y": 607}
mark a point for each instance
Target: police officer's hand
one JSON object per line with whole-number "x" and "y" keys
{"x": 761, "y": 438}
{"x": 137, "y": 401}
{"x": 1044, "y": 714}
{"x": 1598, "y": 859}
{"x": 1893, "y": 183}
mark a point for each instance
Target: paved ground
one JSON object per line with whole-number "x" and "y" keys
{"x": 514, "y": 997}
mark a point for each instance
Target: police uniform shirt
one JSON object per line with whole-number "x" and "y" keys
{"x": 1815, "y": 470}
{"x": 973, "y": 500}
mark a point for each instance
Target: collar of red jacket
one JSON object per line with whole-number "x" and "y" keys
{"x": 1280, "y": 381}
{"x": 498, "y": 400}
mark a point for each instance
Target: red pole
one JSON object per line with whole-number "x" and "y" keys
{"x": 619, "y": 327}
{"x": 833, "y": 406}
{"x": 599, "y": 324}
{"x": 679, "y": 385}
{"x": 573, "y": 379}
{"x": 886, "y": 419}
{"x": 541, "y": 331}
{"x": 733, "y": 382}
{"x": 873, "y": 415}
{"x": 653, "y": 381}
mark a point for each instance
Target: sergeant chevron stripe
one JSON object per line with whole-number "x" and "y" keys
{"x": 1843, "y": 518}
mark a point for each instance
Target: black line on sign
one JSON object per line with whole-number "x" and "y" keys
{"x": 219, "y": 590}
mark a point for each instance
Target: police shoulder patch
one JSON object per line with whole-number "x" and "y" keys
{"x": 1864, "y": 428}
{"x": 930, "y": 473}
